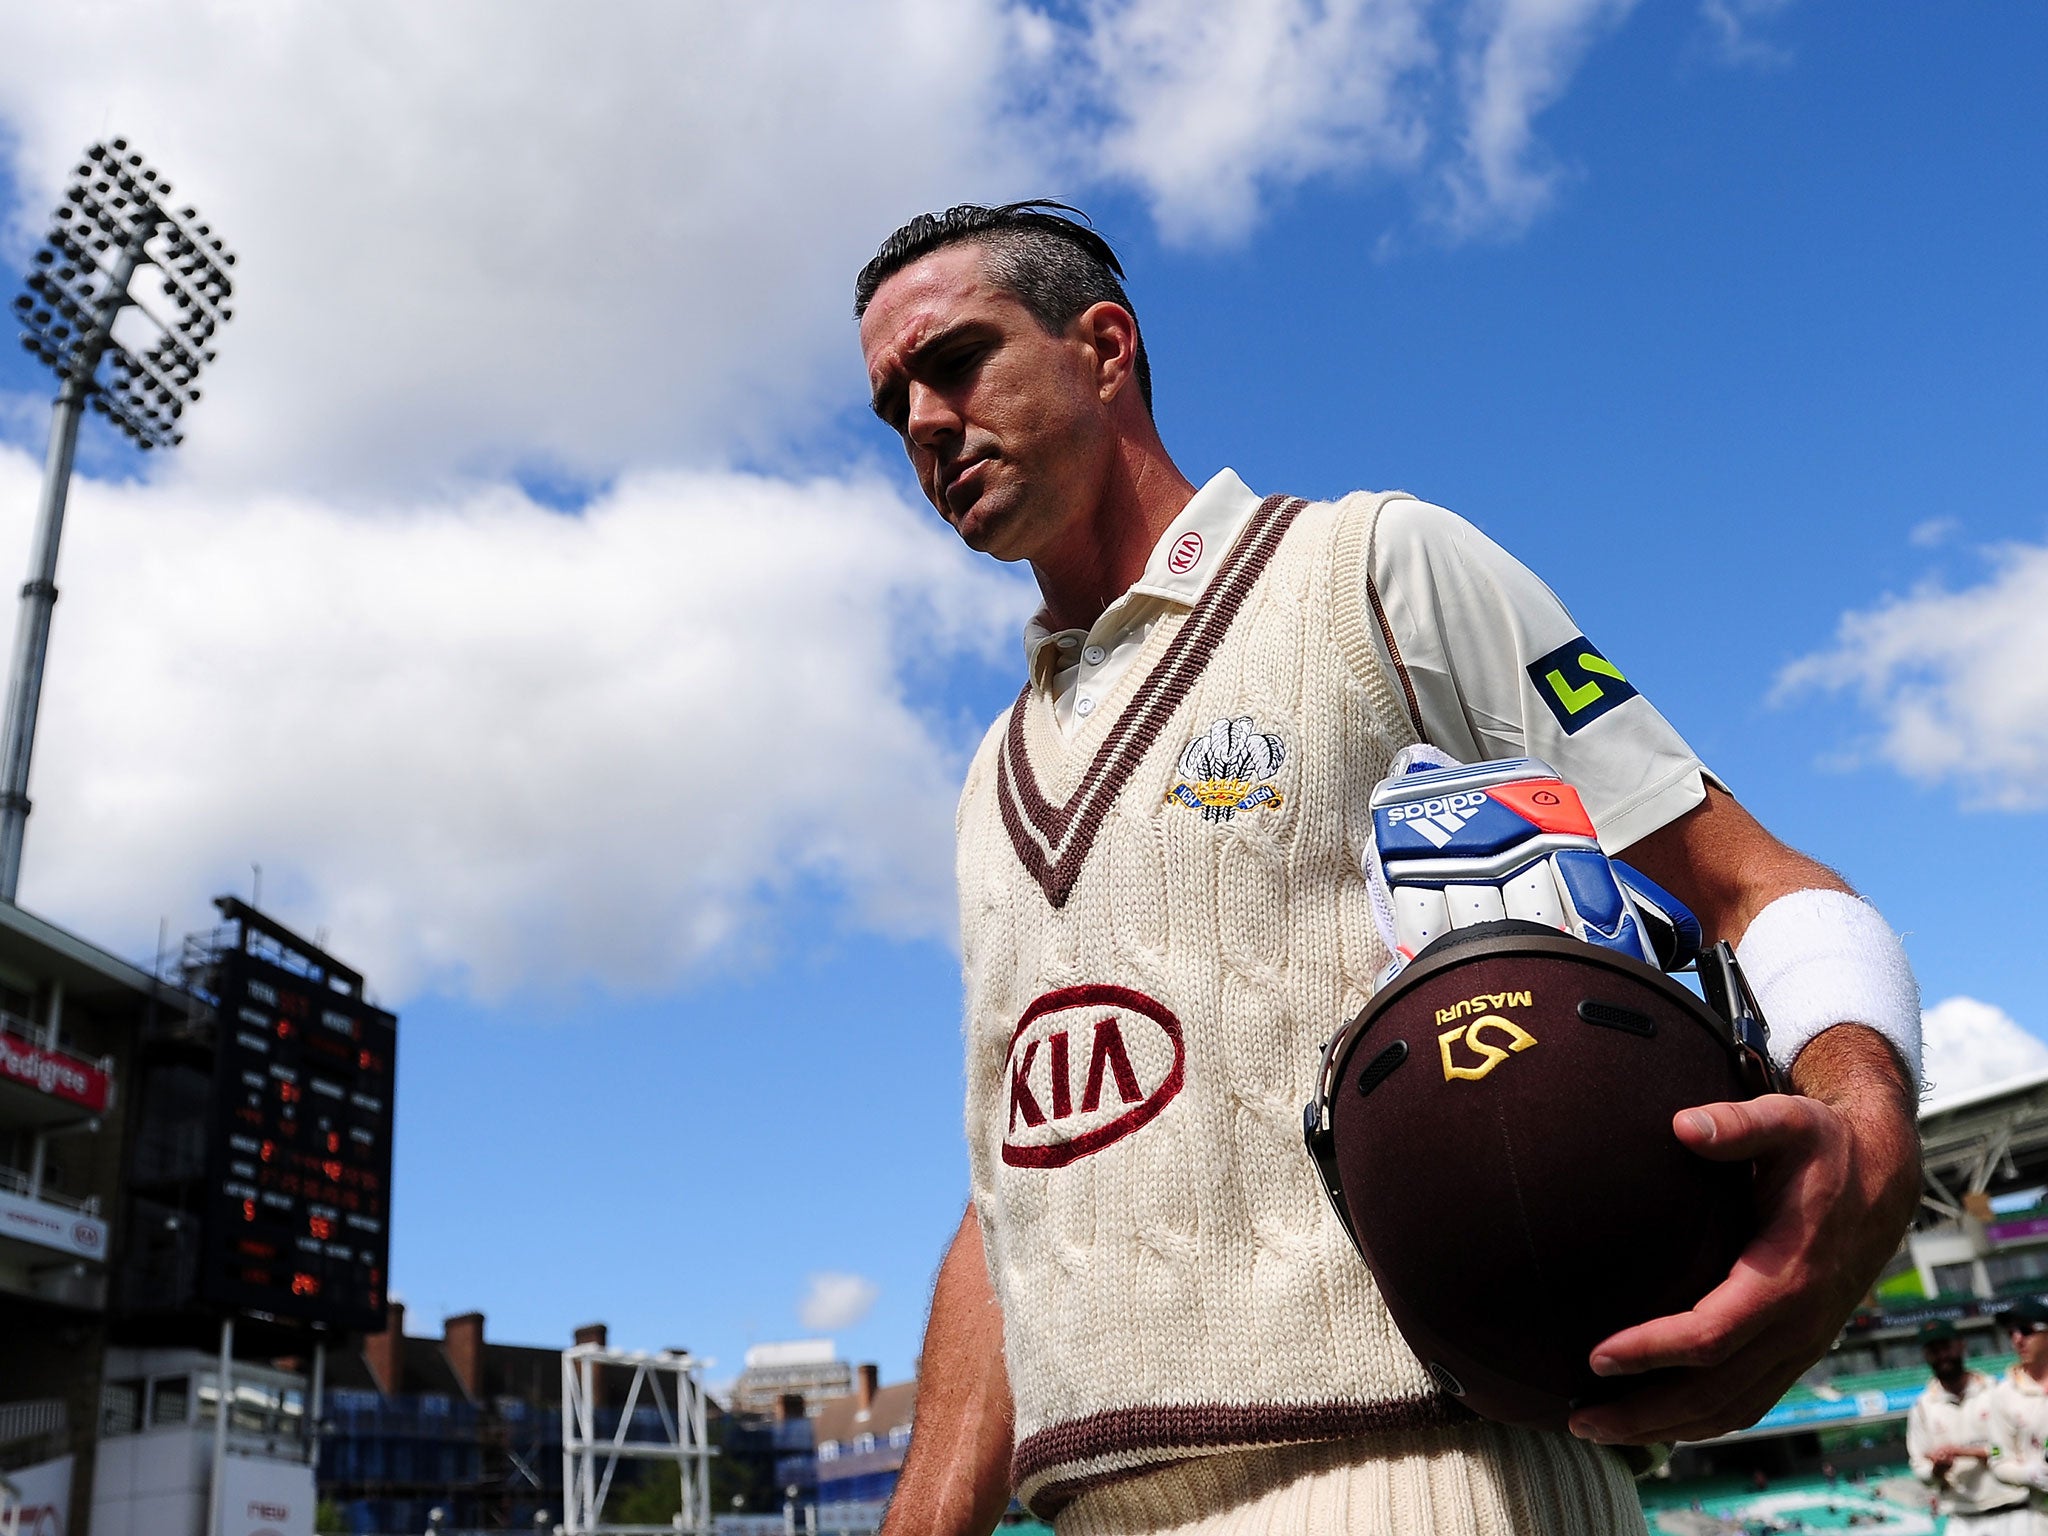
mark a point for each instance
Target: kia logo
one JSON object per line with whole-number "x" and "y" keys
{"x": 85, "y": 1234}
{"x": 1087, "y": 1066}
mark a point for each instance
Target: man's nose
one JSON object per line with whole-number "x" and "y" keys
{"x": 929, "y": 418}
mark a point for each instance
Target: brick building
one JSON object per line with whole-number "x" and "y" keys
{"x": 457, "y": 1423}
{"x": 861, "y": 1441}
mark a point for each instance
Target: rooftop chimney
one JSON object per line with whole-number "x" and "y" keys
{"x": 384, "y": 1352}
{"x": 598, "y": 1334}
{"x": 462, "y": 1337}
{"x": 868, "y": 1378}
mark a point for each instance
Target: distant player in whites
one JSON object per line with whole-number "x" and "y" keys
{"x": 2018, "y": 1418}
{"x": 1950, "y": 1441}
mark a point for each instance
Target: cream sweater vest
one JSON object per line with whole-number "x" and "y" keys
{"x": 1163, "y": 918}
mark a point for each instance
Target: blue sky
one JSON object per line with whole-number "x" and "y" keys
{"x": 535, "y": 600}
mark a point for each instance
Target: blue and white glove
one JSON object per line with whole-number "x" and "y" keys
{"x": 1455, "y": 845}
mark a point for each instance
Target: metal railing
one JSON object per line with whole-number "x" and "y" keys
{"x": 15, "y": 1182}
{"x": 25, "y": 1421}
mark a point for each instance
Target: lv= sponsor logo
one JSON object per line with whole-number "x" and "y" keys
{"x": 1579, "y": 684}
{"x": 1087, "y": 1066}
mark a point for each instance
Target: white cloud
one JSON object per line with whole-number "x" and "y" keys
{"x": 836, "y": 1300}
{"x": 1949, "y": 677}
{"x": 1738, "y": 26}
{"x": 1933, "y": 532}
{"x": 490, "y": 745}
{"x": 1968, "y": 1044}
{"x": 1518, "y": 59}
{"x": 1205, "y": 108}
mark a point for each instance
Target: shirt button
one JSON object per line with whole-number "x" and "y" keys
{"x": 1068, "y": 642}
{"x": 1093, "y": 655}
{"x": 1084, "y": 706}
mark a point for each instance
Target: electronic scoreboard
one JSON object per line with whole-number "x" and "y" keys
{"x": 298, "y": 1217}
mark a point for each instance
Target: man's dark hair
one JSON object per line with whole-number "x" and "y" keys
{"x": 1056, "y": 266}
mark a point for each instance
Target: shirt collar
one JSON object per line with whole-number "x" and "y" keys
{"x": 1182, "y": 563}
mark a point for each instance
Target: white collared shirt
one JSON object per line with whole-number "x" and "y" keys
{"x": 1483, "y": 654}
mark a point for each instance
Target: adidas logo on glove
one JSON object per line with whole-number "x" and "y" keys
{"x": 1455, "y": 845}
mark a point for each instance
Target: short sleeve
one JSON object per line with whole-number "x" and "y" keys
{"x": 1492, "y": 665}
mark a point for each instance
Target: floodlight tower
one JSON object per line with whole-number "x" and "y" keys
{"x": 115, "y": 219}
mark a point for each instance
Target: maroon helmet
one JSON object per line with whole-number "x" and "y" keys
{"x": 1494, "y": 1133}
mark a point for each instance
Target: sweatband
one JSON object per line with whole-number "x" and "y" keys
{"x": 1815, "y": 959}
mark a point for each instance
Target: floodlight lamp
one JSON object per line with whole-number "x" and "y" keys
{"x": 121, "y": 144}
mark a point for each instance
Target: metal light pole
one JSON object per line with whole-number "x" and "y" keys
{"x": 115, "y": 220}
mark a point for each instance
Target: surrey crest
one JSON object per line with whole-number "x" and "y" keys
{"x": 1223, "y": 770}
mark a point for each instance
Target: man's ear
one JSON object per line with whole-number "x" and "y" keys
{"x": 1111, "y": 333}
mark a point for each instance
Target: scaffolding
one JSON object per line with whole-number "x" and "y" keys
{"x": 671, "y": 1383}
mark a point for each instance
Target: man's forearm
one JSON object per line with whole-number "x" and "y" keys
{"x": 956, "y": 1478}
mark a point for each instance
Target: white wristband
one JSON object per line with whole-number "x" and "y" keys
{"x": 1816, "y": 959}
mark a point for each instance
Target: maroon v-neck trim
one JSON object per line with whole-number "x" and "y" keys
{"x": 1053, "y": 841}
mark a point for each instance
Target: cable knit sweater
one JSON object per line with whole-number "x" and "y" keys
{"x": 1163, "y": 918}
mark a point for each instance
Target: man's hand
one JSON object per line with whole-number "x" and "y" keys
{"x": 1944, "y": 1457}
{"x": 1838, "y": 1177}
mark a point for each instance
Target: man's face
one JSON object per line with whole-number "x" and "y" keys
{"x": 2030, "y": 1342}
{"x": 1944, "y": 1358}
{"x": 1005, "y": 425}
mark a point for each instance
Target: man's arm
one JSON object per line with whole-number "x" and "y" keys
{"x": 1838, "y": 1172}
{"x": 2008, "y": 1465}
{"x": 956, "y": 1477}
{"x": 1930, "y": 1462}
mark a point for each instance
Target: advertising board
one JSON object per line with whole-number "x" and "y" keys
{"x": 265, "y": 1498}
{"x": 41, "y": 1496}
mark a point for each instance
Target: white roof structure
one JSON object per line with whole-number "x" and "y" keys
{"x": 768, "y": 1357}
